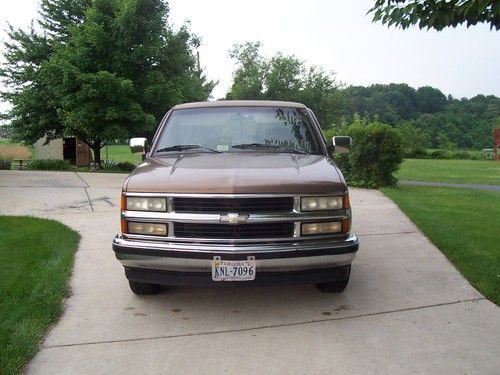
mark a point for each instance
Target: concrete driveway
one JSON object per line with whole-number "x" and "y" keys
{"x": 406, "y": 309}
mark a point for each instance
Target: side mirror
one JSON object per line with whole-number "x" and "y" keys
{"x": 341, "y": 144}
{"x": 138, "y": 145}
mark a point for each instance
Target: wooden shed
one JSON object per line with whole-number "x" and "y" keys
{"x": 70, "y": 148}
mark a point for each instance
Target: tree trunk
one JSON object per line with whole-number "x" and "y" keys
{"x": 96, "y": 148}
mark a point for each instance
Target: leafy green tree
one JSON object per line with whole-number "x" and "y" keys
{"x": 436, "y": 14}
{"x": 283, "y": 77}
{"x": 430, "y": 100}
{"x": 388, "y": 103}
{"x": 34, "y": 109}
{"x": 248, "y": 78}
{"x": 59, "y": 15}
{"x": 112, "y": 75}
{"x": 414, "y": 140}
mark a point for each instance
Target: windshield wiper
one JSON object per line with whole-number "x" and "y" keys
{"x": 186, "y": 147}
{"x": 291, "y": 150}
{"x": 257, "y": 146}
{"x": 253, "y": 145}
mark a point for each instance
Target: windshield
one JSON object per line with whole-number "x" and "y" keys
{"x": 238, "y": 129}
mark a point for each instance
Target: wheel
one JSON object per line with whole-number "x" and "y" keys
{"x": 144, "y": 288}
{"x": 335, "y": 286}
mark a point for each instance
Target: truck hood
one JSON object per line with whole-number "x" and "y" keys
{"x": 237, "y": 173}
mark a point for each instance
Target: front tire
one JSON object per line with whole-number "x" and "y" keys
{"x": 144, "y": 288}
{"x": 335, "y": 286}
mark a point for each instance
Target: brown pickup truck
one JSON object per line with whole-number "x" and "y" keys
{"x": 236, "y": 193}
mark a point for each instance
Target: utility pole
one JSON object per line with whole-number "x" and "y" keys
{"x": 198, "y": 58}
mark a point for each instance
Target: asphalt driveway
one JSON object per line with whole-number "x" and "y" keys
{"x": 406, "y": 309}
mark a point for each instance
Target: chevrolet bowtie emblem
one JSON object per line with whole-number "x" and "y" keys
{"x": 233, "y": 218}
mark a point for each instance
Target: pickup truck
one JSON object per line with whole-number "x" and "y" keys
{"x": 236, "y": 193}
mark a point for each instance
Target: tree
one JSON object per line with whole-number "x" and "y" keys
{"x": 283, "y": 77}
{"x": 248, "y": 78}
{"x": 425, "y": 117}
{"x": 413, "y": 139}
{"x": 436, "y": 14}
{"x": 34, "y": 110}
{"x": 387, "y": 103}
{"x": 466, "y": 123}
{"x": 430, "y": 100}
{"x": 59, "y": 15}
{"x": 113, "y": 74}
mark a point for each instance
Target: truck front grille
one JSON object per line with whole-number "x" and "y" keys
{"x": 238, "y": 205}
{"x": 226, "y": 231}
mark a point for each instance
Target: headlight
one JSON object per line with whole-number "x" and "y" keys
{"x": 321, "y": 228}
{"x": 147, "y": 228}
{"x": 146, "y": 204}
{"x": 321, "y": 203}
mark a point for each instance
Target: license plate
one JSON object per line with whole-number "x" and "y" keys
{"x": 233, "y": 270}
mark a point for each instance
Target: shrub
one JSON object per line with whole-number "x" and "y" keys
{"x": 437, "y": 154}
{"x": 108, "y": 164}
{"x": 459, "y": 155}
{"x": 112, "y": 165}
{"x": 50, "y": 165}
{"x": 417, "y": 154}
{"x": 444, "y": 154}
{"x": 376, "y": 154}
{"x": 125, "y": 166}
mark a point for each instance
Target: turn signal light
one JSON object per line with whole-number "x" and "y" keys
{"x": 346, "y": 204}
{"x": 346, "y": 226}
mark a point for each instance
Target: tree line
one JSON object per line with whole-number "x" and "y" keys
{"x": 103, "y": 70}
{"x": 425, "y": 116}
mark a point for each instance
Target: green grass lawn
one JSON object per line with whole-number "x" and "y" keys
{"x": 36, "y": 256}
{"x": 454, "y": 171}
{"x": 463, "y": 224}
{"x": 120, "y": 153}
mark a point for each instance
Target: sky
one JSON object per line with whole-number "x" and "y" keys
{"x": 334, "y": 34}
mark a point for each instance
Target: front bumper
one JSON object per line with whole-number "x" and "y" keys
{"x": 190, "y": 263}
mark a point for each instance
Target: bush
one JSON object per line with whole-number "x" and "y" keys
{"x": 444, "y": 154}
{"x": 112, "y": 165}
{"x": 125, "y": 166}
{"x": 459, "y": 155}
{"x": 417, "y": 154}
{"x": 5, "y": 164}
{"x": 376, "y": 154}
{"x": 108, "y": 165}
{"x": 50, "y": 165}
{"x": 437, "y": 154}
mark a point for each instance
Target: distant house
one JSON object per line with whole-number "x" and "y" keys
{"x": 69, "y": 148}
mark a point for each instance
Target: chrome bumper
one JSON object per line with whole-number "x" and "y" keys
{"x": 272, "y": 257}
